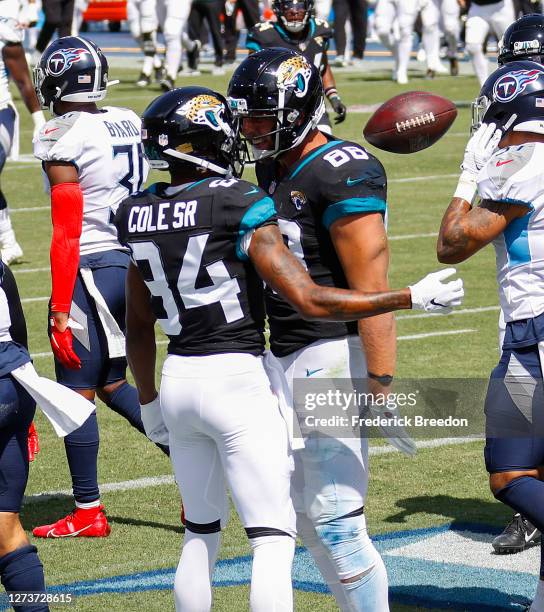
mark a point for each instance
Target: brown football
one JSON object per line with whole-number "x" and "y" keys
{"x": 410, "y": 122}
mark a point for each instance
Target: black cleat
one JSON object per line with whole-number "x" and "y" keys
{"x": 167, "y": 83}
{"x": 193, "y": 56}
{"x": 518, "y": 535}
{"x": 454, "y": 66}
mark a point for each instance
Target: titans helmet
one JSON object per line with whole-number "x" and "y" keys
{"x": 281, "y": 85}
{"x": 512, "y": 98}
{"x": 192, "y": 126}
{"x": 293, "y": 15}
{"x": 523, "y": 40}
{"x": 71, "y": 69}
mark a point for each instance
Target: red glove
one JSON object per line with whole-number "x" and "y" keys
{"x": 61, "y": 343}
{"x": 33, "y": 443}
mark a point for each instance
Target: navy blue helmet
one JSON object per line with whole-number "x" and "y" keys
{"x": 281, "y": 85}
{"x": 512, "y": 98}
{"x": 523, "y": 40}
{"x": 71, "y": 69}
{"x": 192, "y": 126}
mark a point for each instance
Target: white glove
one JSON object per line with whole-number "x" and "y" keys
{"x": 479, "y": 149}
{"x": 154, "y": 426}
{"x": 38, "y": 118}
{"x": 432, "y": 295}
{"x": 395, "y": 434}
{"x": 28, "y": 16}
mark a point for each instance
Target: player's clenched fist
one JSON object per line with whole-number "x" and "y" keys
{"x": 60, "y": 336}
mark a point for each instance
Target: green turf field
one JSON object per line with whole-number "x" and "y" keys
{"x": 437, "y": 486}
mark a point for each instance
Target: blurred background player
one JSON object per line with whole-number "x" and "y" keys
{"x": 356, "y": 12}
{"x": 174, "y": 22}
{"x": 527, "y": 7}
{"x": 450, "y": 16}
{"x": 405, "y": 13}
{"x": 58, "y": 18}
{"x": 326, "y": 215}
{"x": 13, "y": 65}
{"x": 20, "y": 566}
{"x": 484, "y": 17}
{"x": 250, "y": 12}
{"x": 297, "y": 29}
{"x": 92, "y": 159}
{"x": 209, "y": 12}
{"x": 142, "y": 20}
{"x": 503, "y": 160}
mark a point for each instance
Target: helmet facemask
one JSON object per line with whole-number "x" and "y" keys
{"x": 293, "y": 15}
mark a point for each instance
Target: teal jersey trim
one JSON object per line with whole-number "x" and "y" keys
{"x": 516, "y": 237}
{"x": 316, "y": 153}
{"x": 256, "y": 215}
{"x": 516, "y": 202}
{"x": 352, "y": 206}
{"x": 253, "y": 45}
{"x": 312, "y": 27}
{"x": 189, "y": 187}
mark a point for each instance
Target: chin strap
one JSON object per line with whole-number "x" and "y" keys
{"x": 197, "y": 161}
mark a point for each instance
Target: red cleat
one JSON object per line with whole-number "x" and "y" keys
{"x": 78, "y": 524}
{"x": 33, "y": 443}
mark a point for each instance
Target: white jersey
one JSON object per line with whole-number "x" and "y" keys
{"x": 5, "y": 319}
{"x": 514, "y": 176}
{"x": 106, "y": 149}
{"x": 9, "y": 34}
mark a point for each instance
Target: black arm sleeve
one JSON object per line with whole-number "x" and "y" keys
{"x": 18, "y": 324}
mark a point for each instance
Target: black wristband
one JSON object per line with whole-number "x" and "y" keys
{"x": 384, "y": 379}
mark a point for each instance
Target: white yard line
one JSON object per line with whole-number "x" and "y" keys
{"x": 16, "y": 270}
{"x": 34, "y": 299}
{"x": 460, "y": 311}
{"x": 416, "y": 179}
{"x": 168, "y": 479}
{"x": 452, "y": 332}
{"x": 413, "y": 236}
{"x": 31, "y": 209}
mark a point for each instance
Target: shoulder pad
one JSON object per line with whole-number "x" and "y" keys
{"x": 10, "y": 31}
{"x": 263, "y": 26}
{"x": 504, "y": 164}
{"x": 50, "y": 135}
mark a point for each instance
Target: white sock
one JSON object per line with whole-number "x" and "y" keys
{"x": 173, "y": 57}
{"x": 479, "y": 61}
{"x": 538, "y": 602}
{"x": 193, "y": 582}
{"x": 88, "y": 505}
{"x": 404, "y": 50}
{"x": 271, "y": 587}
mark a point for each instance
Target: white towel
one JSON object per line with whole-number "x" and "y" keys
{"x": 114, "y": 335}
{"x": 280, "y": 388}
{"x": 65, "y": 409}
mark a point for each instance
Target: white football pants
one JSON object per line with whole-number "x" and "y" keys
{"x": 225, "y": 427}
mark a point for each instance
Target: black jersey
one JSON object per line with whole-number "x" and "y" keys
{"x": 313, "y": 46}
{"x": 190, "y": 247}
{"x": 338, "y": 179}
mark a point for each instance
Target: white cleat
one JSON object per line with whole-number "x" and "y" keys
{"x": 11, "y": 253}
{"x": 340, "y": 61}
{"x": 402, "y": 78}
{"x": 440, "y": 69}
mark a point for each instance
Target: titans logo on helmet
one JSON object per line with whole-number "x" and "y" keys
{"x": 205, "y": 110}
{"x": 296, "y": 71}
{"x": 63, "y": 59}
{"x": 512, "y": 84}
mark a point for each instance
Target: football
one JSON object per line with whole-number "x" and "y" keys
{"x": 410, "y": 122}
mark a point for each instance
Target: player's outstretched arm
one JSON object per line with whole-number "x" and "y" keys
{"x": 280, "y": 269}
